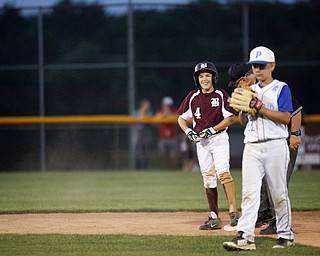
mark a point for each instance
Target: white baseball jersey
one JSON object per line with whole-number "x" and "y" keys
{"x": 260, "y": 128}
{"x": 266, "y": 154}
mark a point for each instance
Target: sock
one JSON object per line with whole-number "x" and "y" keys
{"x": 212, "y": 196}
{"x": 213, "y": 215}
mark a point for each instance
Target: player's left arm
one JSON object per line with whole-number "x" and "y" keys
{"x": 225, "y": 123}
{"x": 283, "y": 114}
{"x": 295, "y": 124}
{"x": 294, "y": 140}
{"x": 296, "y": 115}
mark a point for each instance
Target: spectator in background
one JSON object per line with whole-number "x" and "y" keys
{"x": 143, "y": 135}
{"x": 168, "y": 140}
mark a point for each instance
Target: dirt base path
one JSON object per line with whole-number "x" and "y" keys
{"x": 306, "y": 225}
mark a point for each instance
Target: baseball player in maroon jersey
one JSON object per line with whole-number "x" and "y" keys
{"x": 209, "y": 108}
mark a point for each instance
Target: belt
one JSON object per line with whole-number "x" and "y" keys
{"x": 266, "y": 140}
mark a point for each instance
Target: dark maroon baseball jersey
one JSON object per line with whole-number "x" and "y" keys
{"x": 206, "y": 109}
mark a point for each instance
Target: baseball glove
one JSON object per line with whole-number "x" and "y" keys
{"x": 245, "y": 85}
{"x": 244, "y": 100}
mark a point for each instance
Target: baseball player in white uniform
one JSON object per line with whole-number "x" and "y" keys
{"x": 211, "y": 113}
{"x": 266, "y": 154}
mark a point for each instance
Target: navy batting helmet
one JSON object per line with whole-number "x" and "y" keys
{"x": 205, "y": 66}
{"x": 236, "y": 71}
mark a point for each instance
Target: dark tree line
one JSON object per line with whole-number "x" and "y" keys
{"x": 202, "y": 30}
{"x": 77, "y": 34}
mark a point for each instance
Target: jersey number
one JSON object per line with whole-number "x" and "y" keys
{"x": 197, "y": 114}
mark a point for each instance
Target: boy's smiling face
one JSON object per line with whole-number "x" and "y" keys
{"x": 205, "y": 81}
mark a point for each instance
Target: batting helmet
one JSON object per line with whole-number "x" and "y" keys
{"x": 236, "y": 71}
{"x": 205, "y": 66}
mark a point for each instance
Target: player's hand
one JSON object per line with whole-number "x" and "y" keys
{"x": 192, "y": 135}
{"x": 206, "y": 133}
{"x": 295, "y": 142}
{"x": 256, "y": 104}
{"x": 243, "y": 100}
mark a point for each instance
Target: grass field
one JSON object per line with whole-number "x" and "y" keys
{"x": 129, "y": 191}
{"x": 94, "y": 245}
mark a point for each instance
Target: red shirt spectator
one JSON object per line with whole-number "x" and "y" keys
{"x": 168, "y": 140}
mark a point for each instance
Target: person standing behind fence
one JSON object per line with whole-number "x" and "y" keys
{"x": 168, "y": 140}
{"x": 143, "y": 135}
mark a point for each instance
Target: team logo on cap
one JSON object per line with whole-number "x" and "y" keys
{"x": 258, "y": 54}
{"x": 204, "y": 65}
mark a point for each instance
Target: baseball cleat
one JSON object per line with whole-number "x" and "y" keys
{"x": 270, "y": 230}
{"x": 283, "y": 243}
{"x": 234, "y": 217}
{"x": 239, "y": 244}
{"x": 263, "y": 219}
{"x": 211, "y": 224}
{"x": 261, "y": 222}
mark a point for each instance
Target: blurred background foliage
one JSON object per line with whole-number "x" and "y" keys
{"x": 85, "y": 69}
{"x": 200, "y": 30}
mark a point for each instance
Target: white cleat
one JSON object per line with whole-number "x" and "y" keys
{"x": 283, "y": 243}
{"x": 239, "y": 244}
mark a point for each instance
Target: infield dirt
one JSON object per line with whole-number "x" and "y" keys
{"x": 306, "y": 225}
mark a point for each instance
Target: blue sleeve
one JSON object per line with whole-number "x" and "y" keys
{"x": 285, "y": 100}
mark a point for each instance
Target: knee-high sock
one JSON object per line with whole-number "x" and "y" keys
{"x": 212, "y": 196}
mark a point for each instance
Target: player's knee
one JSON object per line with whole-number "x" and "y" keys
{"x": 211, "y": 172}
{"x": 225, "y": 177}
{"x": 210, "y": 183}
{"x": 209, "y": 178}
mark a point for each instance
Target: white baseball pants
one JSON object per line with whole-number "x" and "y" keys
{"x": 269, "y": 159}
{"x": 213, "y": 156}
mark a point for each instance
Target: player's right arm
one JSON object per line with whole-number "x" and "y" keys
{"x": 191, "y": 134}
{"x": 243, "y": 119}
{"x": 276, "y": 116}
{"x": 182, "y": 123}
{"x": 185, "y": 113}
